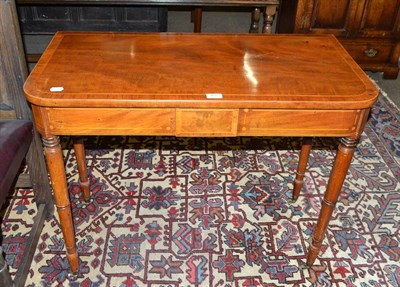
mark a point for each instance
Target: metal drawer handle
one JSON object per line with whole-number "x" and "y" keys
{"x": 371, "y": 52}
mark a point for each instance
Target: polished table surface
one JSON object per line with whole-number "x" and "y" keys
{"x": 198, "y": 85}
{"x": 178, "y": 70}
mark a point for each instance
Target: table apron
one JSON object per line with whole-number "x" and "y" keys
{"x": 198, "y": 122}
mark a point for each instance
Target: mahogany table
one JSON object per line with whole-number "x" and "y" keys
{"x": 197, "y": 85}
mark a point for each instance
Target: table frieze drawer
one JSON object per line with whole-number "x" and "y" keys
{"x": 206, "y": 122}
{"x": 253, "y": 122}
{"x": 102, "y": 121}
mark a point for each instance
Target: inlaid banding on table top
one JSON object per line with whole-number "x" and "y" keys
{"x": 179, "y": 70}
{"x": 197, "y": 122}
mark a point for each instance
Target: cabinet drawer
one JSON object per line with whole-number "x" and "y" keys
{"x": 206, "y": 122}
{"x": 364, "y": 51}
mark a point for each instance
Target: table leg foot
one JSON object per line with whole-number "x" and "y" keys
{"x": 342, "y": 162}
{"x": 80, "y": 155}
{"x": 72, "y": 276}
{"x": 313, "y": 251}
{"x": 55, "y": 163}
{"x": 73, "y": 260}
{"x": 301, "y": 167}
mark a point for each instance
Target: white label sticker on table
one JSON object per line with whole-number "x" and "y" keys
{"x": 56, "y": 89}
{"x": 214, "y": 96}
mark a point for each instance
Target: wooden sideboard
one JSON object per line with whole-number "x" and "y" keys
{"x": 368, "y": 29}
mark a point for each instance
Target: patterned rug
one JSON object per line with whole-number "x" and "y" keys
{"x": 178, "y": 212}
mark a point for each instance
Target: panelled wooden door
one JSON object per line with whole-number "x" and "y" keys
{"x": 369, "y": 18}
{"x": 378, "y": 18}
{"x": 321, "y": 16}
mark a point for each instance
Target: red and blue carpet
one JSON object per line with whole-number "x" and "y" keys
{"x": 181, "y": 212}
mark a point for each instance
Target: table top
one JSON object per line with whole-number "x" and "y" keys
{"x": 87, "y": 69}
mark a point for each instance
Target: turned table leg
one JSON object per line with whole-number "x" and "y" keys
{"x": 269, "y": 14}
{"x": 55, "y": 164}
{"x": 342, "y": 162}
{"x": 79, "y": 149}
{"x": 301, "y": 167}
{"x": 255, "y": 19}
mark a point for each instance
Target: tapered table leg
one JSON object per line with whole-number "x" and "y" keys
{"x": 342, "y": 162}
{"x": 55, "y": 164}
{"x": 301, "y": 167}
{"x": 80, "y": 155}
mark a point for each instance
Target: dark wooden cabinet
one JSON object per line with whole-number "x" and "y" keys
{"x": 368, "y": 29}
{"x": 47, "y": 19}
